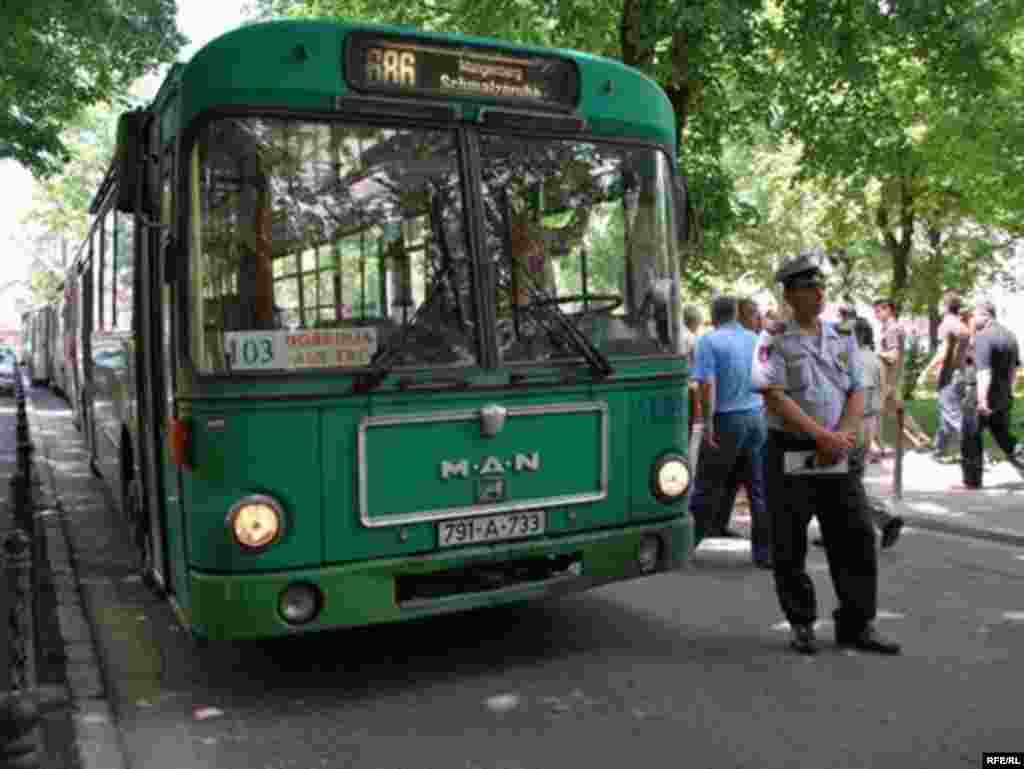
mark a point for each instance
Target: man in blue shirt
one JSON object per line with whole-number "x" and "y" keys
{"x": 734, "y": 431}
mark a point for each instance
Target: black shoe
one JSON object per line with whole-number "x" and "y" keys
{"x": 730, "y": 534}
{"x": 803, "y": 639}
{"x": 891, "y": 531}
{"x": 867, "y": 640}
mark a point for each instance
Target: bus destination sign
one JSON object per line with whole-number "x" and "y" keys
{"x": 432, "y": 69}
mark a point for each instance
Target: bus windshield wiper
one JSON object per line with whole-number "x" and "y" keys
{"x": 546, "y": 312}
{"x": 442, "y": 292}
{"x": 544, "y": 309}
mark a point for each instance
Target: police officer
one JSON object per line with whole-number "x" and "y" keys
{"x": 811, "y": 379}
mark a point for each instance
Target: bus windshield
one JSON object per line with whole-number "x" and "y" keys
{"x": 334, "y": 245}
{"x": 315, "y": 245}
{"x": 585, "y": 229}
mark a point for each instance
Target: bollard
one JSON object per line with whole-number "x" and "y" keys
{"x": 19, "y": 727}
{"x": 21, "y": 499}
{"x": 897, "y": 478}
{"x": 16, "y": 554}
{"x": 19, "y": 713}
{"x": 7, "y": 607}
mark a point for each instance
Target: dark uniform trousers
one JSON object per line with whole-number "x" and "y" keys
{"x": 840, "y": 504}
{"x": 972, "y": 458}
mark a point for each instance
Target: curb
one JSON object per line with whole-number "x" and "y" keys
{"x": 931, "y": 523}
{"x": 96, "y": 737}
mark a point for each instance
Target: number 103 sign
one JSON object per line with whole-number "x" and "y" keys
{"x": 269, "y": 350}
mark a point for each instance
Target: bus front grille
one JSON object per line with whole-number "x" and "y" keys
{"x": 483, "y": 578}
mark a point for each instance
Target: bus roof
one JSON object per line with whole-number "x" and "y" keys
{"x": 297, "y": 64}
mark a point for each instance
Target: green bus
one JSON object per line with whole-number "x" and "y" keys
{"x": 375, "y": 324}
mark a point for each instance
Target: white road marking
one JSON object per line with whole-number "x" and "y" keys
{"x": 1014, "y": 616}
{"x": 821, "y": 623}
{"x": 724, "y": 545}
{"x": 109, "y": 580}
{"x": 93, "y": 718}
{"x": 502, "y": 703}
{"x": 930, "y": 508}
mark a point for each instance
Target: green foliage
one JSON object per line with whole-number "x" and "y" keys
{"x": 61, "y": 202}
{"x": 60, "y": 56}
{"x": 889, "y": 104}
{"x": 58, "y": 219}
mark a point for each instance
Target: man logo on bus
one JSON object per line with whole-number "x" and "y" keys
{"x": 490, "y": 465}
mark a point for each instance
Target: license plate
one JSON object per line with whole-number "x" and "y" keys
{"x": 490, "y": 528}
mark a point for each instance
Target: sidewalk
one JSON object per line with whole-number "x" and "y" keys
{"x": 931, "y": 499}
{"x": 84, "y": 735}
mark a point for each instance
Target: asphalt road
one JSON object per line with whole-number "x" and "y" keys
{"x": 686, "y": 669}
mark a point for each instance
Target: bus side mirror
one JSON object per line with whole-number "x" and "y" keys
{"x": 682, "y": 209}
{"x": 130, "y": 162}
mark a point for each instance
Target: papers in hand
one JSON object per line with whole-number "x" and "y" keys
{"x": 806, "y": 463}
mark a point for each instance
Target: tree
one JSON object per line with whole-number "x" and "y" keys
{"x": 60, "y": 56}
{"x": 882, "y": 99}
{"x": 58, "y": 219}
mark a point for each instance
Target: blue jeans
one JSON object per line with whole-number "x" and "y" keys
{"x": 739, "y": 457}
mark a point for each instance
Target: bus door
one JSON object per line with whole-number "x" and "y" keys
{"x": 156, "y": 392}
{"x": 149, "y": 383}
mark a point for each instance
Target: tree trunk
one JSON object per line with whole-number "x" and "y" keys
{"x": 898, "y": 247}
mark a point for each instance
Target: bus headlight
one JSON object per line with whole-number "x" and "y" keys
{"x": 256, "y": 522}
{"x": 671, "y": 478}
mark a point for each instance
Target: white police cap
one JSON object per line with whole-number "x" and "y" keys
{"x": 804, "y": 269}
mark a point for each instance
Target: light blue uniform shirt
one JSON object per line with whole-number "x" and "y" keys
{"x": 723, "y": 357}
{"x": 818, "y": 372}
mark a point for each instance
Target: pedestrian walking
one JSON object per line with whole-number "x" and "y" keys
{"x": 812, "y": 381}
{"x": 948, "y": 362}
{"x": 892, "y": 356}
{"x": 872, "y": 386}
{"x": 995, "y": 358}
{"x": 972, "y": 456}
{"x": 688, "y": 348}
{"x": 751, "y": 319}
{"x": 750, "y": 315}
{"x": 888, "y": 524}
{"x": 688, "y": 334}
{"x": 734, "y": 431}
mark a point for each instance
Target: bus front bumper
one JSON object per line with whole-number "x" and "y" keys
{"x": 248, "y": 606}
